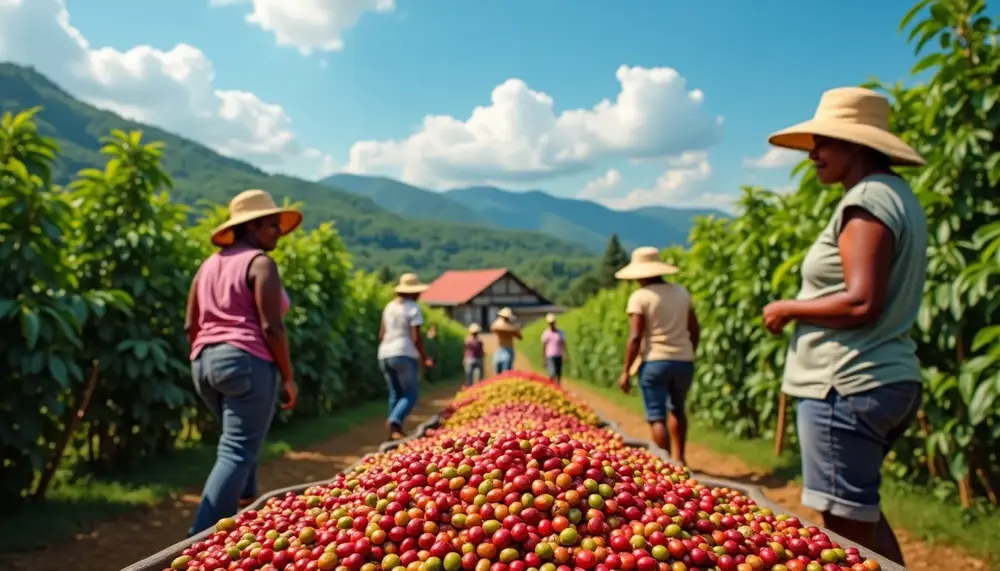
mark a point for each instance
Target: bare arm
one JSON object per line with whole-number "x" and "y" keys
{"x": 267, "y": 293}
{"x": 517, "y": 334}
{"x": 418, "y": 342}
{"x": 694, "y": 329}
{"x": 191, "y": 326}
{"x": 866, "y": 247}
{"x": 637, "y": 323}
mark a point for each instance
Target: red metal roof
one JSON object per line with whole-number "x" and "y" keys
{"x": 456, "y": 287}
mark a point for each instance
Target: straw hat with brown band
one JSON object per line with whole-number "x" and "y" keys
{"x": 853, "y": 114}
{"x": 410, "y": 284}
{"x": 645, "y": 263}
{"x": 251, "y": 205}
{"x": 550, "y": 318}
{"x": 474, "y": 328}
{"x": 505, "y": 322}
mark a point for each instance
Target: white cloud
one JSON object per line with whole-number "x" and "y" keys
{"x": 309, "y": 25}
{"x": 519, "y": 137}
{"x": 775, "y": 158}
{"x": 682, "y": 183}
{"x": 172, "y": 89}
{"x": 601, "y": 185}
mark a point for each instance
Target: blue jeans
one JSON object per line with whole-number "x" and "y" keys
{"x": 843, "y": 441}
{"x": 554, "y": 367}
{"x": 664, "y": 386}
{"x": 503, "y": 359}
{"x": 473, "y": 371}
{"x": 241, "y": 390}
{"x": 402, "y": 376}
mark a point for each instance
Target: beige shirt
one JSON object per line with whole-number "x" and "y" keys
{"x": 665, "y": 307}
{"x": 857, "y": 359}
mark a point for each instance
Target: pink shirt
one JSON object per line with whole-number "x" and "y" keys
{"x": 227, "y": 312}
{"x": 554, "y": 342}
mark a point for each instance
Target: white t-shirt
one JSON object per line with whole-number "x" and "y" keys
{"x": 398, "y": 318}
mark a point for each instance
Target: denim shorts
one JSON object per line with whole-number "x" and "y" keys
{"x": 843, "y": 441}
{"x": 554, "y": 366}
{"x": 664, "y": 386}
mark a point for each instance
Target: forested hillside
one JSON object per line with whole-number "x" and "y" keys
{"x": 376, "y": 238}
{"x": 579, "y": 221}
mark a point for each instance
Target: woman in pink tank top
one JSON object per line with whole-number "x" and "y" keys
{"x": 235, "y": 323}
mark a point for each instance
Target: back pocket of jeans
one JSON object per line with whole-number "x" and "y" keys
{"x": 885, "y": 408}
{"x": 231, "y": 372}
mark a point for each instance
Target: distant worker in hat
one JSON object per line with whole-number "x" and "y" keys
{"x": 554, "y": 343}
{"x": 852, "y": 364}
{"x": 664, "y": 333}
{"x": 506, "y": 329}
{"x": 401, "y": 351}
{"x": 239, "y": 347}
{"x": 473, "y": 358}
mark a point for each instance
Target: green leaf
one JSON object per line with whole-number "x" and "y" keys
{"x": 7, "y": 307}
{"x": 57, "y": 368}
{"x": 30, "y": 326}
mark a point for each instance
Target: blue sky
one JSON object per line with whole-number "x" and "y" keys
{"x": 760, "y": 66}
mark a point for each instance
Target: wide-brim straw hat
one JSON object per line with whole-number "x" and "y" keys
{"x": 853, "y": 114}
{"x": 506, "y": 313}
{"x": 410, "y": 283}
{"x": 645, "y": 263}
{"x": 550, "y": 318}
{"x": 251, "y": 205}
{"x": 474, "y": 328}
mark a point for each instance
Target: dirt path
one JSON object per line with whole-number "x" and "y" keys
{"x": 117, "y": 543}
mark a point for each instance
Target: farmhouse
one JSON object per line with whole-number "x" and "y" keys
{"x": 477, "y": 295}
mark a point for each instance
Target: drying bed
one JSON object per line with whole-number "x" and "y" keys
{"x": 580, "y": 529}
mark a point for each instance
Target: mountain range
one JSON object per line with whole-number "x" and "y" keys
{"x": 386, "y": 224}
{"x": 581, "y": 221}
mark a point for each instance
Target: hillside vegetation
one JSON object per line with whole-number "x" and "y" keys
{"x": 735, "y": 267}
{"x": 579, "y": 221}
{"x": 376, "y": 238}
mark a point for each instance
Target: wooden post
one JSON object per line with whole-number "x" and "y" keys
{"x": 965, "y": 492}
{"x": 71, "y": 426}
{"x": 779, "y": 436}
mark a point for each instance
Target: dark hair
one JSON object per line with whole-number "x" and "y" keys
{"x": 240, "y": 231}
{"x": 876, "y": 159}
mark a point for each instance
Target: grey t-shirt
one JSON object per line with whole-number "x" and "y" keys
{"x": 861, "y": 358}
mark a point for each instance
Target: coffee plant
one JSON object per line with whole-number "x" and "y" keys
{"x": 95, "y": 287}
{"x": 735, "y": 267}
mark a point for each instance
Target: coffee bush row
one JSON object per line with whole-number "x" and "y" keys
{"x": 735, "y": 266}
{"x": 95, "y": 286}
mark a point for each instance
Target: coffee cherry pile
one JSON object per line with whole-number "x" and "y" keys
{"x": 525, "y": 484}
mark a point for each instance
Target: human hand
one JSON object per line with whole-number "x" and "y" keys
{"x": 291, "y": 394}
{"x": 429, "y": 363}
{"x": 776, "y": 316}
{"x": 625, "y": 383}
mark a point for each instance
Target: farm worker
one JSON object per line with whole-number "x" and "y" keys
{"x": 851, "y": 361}
{"x": 554, "y": 342}
{"x": 506, "y": 329}
{"x": 664, "y": 332}
{"x": 401, "y": 351}
{"x": 235, "y": 324}
{"x": 473, "y": 358}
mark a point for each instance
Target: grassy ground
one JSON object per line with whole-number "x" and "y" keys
{"x": 918, "y": 510}
{"x": 70, "y": 507}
